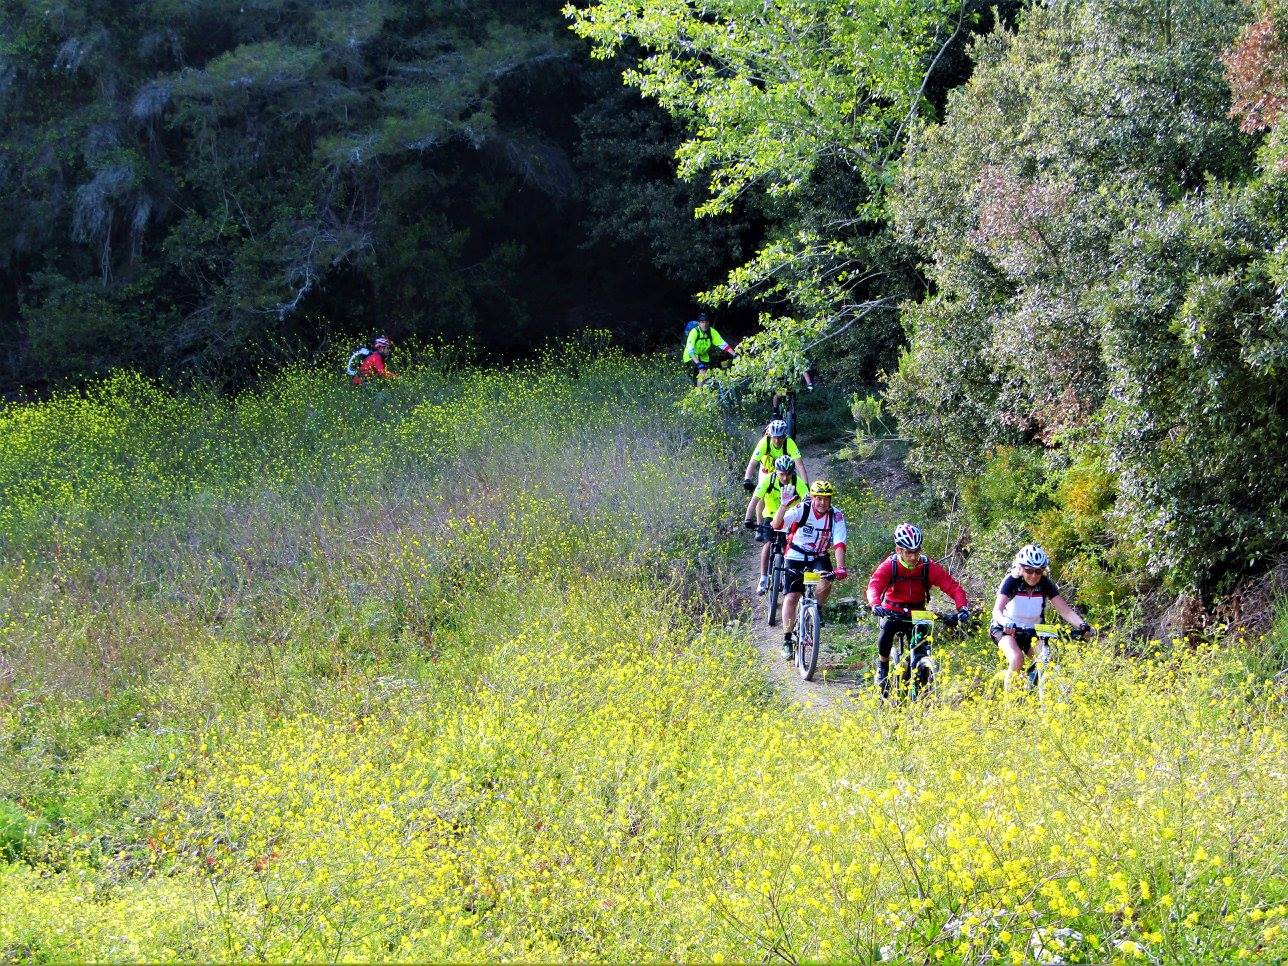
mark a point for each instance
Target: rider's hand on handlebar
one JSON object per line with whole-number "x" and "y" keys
{"x": 1009, "y": 629}
{"x": 1083, "y": 630}
{"x": 880, "y": 611}
{"x": 840, "y": 573}
{"x": 963, "y": 615}
{"x": 749, "y": 484}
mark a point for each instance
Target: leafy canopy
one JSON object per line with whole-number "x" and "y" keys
{"x": 804, "y": 102}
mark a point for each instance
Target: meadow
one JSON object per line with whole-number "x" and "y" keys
{"x": 447, "y": 670}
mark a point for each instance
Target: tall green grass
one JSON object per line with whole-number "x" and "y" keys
{"x": 424, "y": 673}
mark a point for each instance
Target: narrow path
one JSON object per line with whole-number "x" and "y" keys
{"x": 833, "y": 681}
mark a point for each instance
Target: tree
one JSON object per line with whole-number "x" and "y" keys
{"x": 201, "y": 187}
{"x": 807, "y": 103}
{"x": 1104, "y": 253}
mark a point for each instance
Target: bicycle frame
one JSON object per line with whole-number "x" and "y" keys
{"x": 777, "y": 573}
{"x": 920, "y": 639}
{"x": 809, "y": 640}
{"x": 1044, "y": 657}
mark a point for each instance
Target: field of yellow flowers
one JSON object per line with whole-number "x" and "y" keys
{"x": 435, "y": 672}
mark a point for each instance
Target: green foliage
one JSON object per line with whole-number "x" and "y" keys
{"x": 871, "y": 427}
{"x": 204, "y": 188}
{"x": 1195, "y": 340}
{"x": 806, "y": 103}
{"x": 1104, "y": 280}
{"x": 16, "y": 829}
{"x": 627, "y": 148}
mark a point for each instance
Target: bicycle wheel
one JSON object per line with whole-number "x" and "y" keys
{"x": 921, "y": 673}
{"x": 1041, "y": 668}
{"x": 775, "y": 585}
{"x": 898, "y": 647}
{"x": 808, "y": 642}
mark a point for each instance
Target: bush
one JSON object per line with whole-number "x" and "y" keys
{"x": 17, "y": 829}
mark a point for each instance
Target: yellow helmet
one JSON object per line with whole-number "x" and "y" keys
{"x": 821, "y": 488}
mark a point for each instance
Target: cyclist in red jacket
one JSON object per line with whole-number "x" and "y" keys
{"x": 373, "y": 364}
{"x": 901, "y": 584}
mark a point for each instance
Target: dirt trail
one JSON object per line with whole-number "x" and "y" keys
{"x": 833, "y": 683}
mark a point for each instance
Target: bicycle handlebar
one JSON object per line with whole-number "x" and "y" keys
{"x": 950, "y": 618}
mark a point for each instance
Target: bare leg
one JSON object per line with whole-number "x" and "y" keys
{"x": 1014, "y": 655}
{"x": 790, "y": 602}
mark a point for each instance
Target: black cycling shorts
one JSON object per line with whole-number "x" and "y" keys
{"x": 796, "y": 572}
{"x": 1023, "y": 636}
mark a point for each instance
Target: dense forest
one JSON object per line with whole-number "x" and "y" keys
{"x": 201, "y": 190}
{"x": 1057, "y": 232}
{"x": 1084, "y": 247}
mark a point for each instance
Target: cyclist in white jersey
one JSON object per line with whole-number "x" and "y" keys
{"x": 814, "y": 529}
{"x": 1021, "y": 604}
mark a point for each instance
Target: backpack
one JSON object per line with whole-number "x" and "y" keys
{"x": 356, "y": 359}
{"x": 806, "y": 509}
{"x": 767, "y": 461}
{"x": 688, "y": 327}
{"x": 925, "y": 575}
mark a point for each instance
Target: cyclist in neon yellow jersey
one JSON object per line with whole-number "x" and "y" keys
{"x": 776, "y": 489}
{"x": 701, "y": 345}
{"x": 772, "y": 445}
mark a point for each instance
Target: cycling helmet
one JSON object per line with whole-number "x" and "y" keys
{"x": 907, "y": 536}
{"x": 778, "y": 428}
{"x": 821, "y": 488}
{"x": 1032, "y": 556}
{"x": 703, "y": 317}
{"x": 785, "y": 463}
{"x": 382, "y": 343}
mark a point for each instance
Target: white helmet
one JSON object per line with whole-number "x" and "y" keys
{"x": 785, "y": 463}
{"x": 1032, "y": 555}
{"x": 907, "y": 536}
{"x": 778, "y": 428}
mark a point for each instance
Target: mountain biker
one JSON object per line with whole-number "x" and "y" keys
{"x": 901, "y": 584}
{"x": 784, "y": 398}
{"x": 702, "y": 341}
{"x": 814, "y": 528}
{"x": 772, "y": 445}
{"x": 776, "y": 489}
{"x": 1021, "y": 603}
{"x": 374, "y": 363}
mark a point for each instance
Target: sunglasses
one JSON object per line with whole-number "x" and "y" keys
{"x": 1032, "y": 570}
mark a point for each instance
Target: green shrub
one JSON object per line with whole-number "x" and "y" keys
{"x": 17, "y": 829}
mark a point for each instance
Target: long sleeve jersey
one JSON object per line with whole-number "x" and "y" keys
{"x": 894, "y": 585}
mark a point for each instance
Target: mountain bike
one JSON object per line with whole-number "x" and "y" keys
{"x": 1045, "y": 652}
{"x": 726, "y": 390}
{"x": 777, "y": 574}
{"x": 912, "y": 668}
{"x": 808, "y": 637}
{"x": 785, "y": 409}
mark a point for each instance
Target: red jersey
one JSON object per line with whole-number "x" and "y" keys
{"x": 893, "y": 585}
{"x": 372, "y": 365}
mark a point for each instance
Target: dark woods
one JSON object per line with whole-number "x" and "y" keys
{"x": 200, "y": 189}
